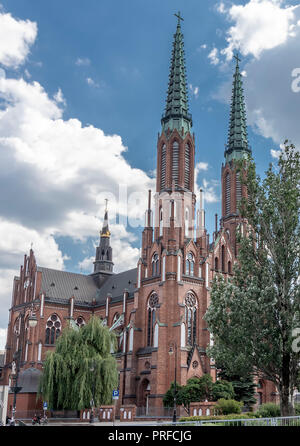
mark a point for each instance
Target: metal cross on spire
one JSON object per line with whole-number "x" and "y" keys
{"x": 236, "y": 56}
{"x": 179, "y": 18}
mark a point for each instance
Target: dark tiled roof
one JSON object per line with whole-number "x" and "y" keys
{"x": 84, "y": 288}
{"x": 2, "y": 356}
{"x": 116, "y": 284}
{"x": 66, "y": 285}
{"x": 29, "y": 380}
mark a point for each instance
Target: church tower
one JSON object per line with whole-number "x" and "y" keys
{"x": 237, "y": 148}
{"x": 103, "y": 265}
{"x": 173, "y": 271}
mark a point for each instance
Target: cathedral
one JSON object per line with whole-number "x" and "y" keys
{"x": 157, "y": 308}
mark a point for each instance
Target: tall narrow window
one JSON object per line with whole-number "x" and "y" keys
{"x": 238, "y": 186}
{"x": 161, "y": 222}
{"x": 151, "y": 308}
{"x": 186, "y": 222}
{"x": 187, "y": 166}
{"x": 190, "y": 263}
{"x": 223, "y": 258}
{"x": 163, "y": 167}
{"x": 227, "y": 194}
{"x": 175, "y": 163}
{"x": 155, "y": 265}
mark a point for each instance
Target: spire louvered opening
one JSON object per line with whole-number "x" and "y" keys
{"x": 187, "y": 166}
{"x": 175, "y": 163}
{"x": 227, "y": 194}
{"x": 163, "y": 167}
{"x": 238, "y": 186}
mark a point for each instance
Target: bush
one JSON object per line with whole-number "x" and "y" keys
{"x": 226, "y": 407}
{"x": 216, "y": 417}
{"x": 268, "y": 410}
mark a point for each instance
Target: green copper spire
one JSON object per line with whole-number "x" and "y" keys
{"x": 176, "y": 112}
{"x": 237, "y": 146}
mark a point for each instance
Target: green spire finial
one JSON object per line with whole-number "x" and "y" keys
{"x": 237, "y": 145}
{"x": 176, "y": 112}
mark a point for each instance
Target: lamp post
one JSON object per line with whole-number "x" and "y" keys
{"x": 92, "y": 369}
{"x": 171, "y": 351}
{"x": 32, "y": 321}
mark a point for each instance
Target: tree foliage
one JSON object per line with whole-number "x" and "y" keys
{"x": 81, "y": 368}
{"x": 253, "y": 316}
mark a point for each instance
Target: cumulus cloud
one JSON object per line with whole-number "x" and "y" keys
{"x": 258, "y": 25}
{"x": 85, "y": 61}
{"x": 16, "y": 37}
{"x": 55, "y": 174}
{"x": 3, "y": 334}
{"x": 213, "y": 56}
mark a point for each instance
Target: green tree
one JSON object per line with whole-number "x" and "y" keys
{"x": 81, "y": 368}
{"x": 254, "y": 315}
{"x": 222, "y": 389}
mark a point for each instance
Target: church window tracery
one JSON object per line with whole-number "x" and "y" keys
{"x": 151, "y": 308}
{"x": 191, "y": 317}
{"x": 53, "y": 329}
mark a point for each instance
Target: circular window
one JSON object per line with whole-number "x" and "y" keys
{"x": 49, "y": 324}
{"x": 53, "y": 317}
{"x": 153, "y": 301}
{"x": 195, "y": 364}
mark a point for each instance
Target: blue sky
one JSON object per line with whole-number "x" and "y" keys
{"x": 82, "y": 91}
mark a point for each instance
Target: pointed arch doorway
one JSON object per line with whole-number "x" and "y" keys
{"x": 144, "y": 393}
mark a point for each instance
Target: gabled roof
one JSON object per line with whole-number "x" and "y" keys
{"x": 60, "y": 286}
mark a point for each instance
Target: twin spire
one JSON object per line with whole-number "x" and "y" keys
{"x": 177, "y": 111}
{"x": 237, "y": 146}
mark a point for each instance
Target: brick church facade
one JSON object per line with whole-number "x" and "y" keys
{"x": 159, "y": 306}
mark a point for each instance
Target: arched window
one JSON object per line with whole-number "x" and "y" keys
{"x": 175, "y": 163}
{"x": 190, "y": 263}
{"x": 187, "y": 166}
{"x": 155, "y": 265}
{"x": 80, "y": 322}
{"x": 163, "y": 167}
{"x": 227, "y": 194}
{"x": 223, "y": 258}
{"x": 186, "y": 222}
{"x": 191, "y": 317}
{"x": 216, "y": 263}
{"x": 229, "y": 267}
{"x": 238, "y": 188}
{"x": 53, "y": 329}
{"x": 151, "y": 308}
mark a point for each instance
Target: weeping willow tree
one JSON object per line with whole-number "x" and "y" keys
{"x": 81, "y": 369}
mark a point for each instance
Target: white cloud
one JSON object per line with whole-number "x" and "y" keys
{"x": 16, "y": 37}
{"x": 3, "y": 334}
{"x": 85, "y": 61}
{"x": 59, "y": 97}
{"x": 259, "y": 25}
{"x": 213, "y": 56}
{"x": 91, "y": 82}
{"x": 194, "y": 90}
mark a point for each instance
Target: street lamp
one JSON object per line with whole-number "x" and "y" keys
{"x": 32, "y": 321}
{"x": 92, "y": 369}
{"x": 171, "y": 351}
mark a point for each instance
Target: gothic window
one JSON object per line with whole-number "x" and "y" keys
{"x": 223, "y": 258}
{"x": 115, "y": 318}
{"x": 163, "y": 167}
{"x": 190, "y": 263}
{"x": 229, "y": 267}
{"x": 175, "y": 163}
{"x": 238, "y": 187}
{"x": 227, "y": 194}
{"x": 53, "y": 329}
{"x": 151, "y": 308}
{"x": 191, "y": 317}
{"x": 216, "y": 263}
{"x": 155, "y": 265}
{"x": 186, "y": 218}
{"x": 80, "y": 322}
{"x": 187, "y": 166}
